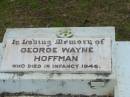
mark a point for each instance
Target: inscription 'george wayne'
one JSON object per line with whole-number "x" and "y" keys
{"x": 55, "y": 50}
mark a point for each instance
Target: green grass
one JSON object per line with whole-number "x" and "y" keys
{"x": 62, "y": 13}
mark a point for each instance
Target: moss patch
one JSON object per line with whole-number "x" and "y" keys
{"x": 59, "y": 13}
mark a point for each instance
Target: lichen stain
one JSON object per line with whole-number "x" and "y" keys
{"x": 62, "y": 83}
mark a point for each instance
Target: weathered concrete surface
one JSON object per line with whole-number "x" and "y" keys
{"x": 52, "y": 84}
{"x": 123, "y": 69}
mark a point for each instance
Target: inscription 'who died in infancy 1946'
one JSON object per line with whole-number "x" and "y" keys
{"x": 59, "y": 54}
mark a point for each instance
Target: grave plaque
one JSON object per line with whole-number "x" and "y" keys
{"x": 68, "y": 55}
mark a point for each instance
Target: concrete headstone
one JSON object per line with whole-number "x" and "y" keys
{"x": 75, "y": 55}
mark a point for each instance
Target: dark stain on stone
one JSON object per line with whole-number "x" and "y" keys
{"x": 62, "y": 83}
{"x": 3, "y": 81}
{"x": 20, "y": 73}
{"x": 59, "y": 74}
{"x": 4, "y": 94}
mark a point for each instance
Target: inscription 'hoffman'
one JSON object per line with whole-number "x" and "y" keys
{"x": 64, "y": 55}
